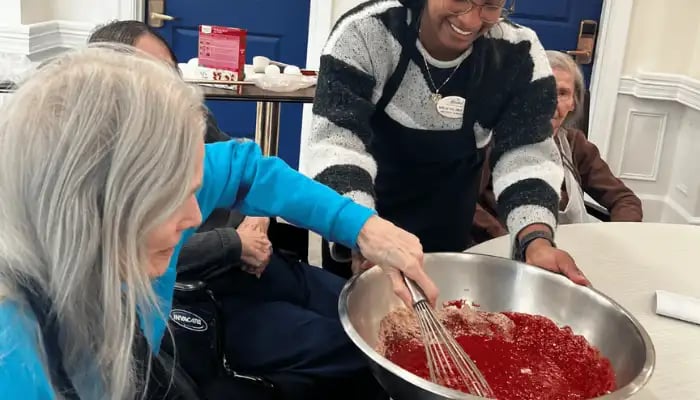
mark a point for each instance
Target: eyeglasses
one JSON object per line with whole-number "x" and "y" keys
{"x": 489, "y": 13}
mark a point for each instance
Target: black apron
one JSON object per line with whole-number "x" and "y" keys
{"x": 427, "y": 181}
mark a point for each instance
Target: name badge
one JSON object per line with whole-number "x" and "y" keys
{"x": 451, "y": 106}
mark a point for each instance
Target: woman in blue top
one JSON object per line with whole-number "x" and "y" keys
{"x": 103, "y": 173}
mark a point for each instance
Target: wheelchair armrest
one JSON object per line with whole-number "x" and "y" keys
{"x": 597, "y": 211}
{"x": 254, "y": 380}
{"x": 190, "y": 286}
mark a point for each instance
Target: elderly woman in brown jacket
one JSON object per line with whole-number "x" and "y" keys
{"x": 585, "y": 171}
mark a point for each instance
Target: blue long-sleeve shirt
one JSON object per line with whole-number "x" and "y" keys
{"x": 235, "y": 174}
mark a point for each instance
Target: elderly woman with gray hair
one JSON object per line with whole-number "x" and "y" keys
{"x": 103, "y": 175}
{"x": 584, "y": 169}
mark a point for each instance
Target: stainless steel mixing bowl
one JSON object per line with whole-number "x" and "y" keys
{"x": 499, "y": 284}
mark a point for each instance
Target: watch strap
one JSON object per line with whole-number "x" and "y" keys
{"x": 523, "y": 243}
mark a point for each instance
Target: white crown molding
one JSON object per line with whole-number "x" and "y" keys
{"x": 665, "y": 87}
{"x": 43, "y": 37}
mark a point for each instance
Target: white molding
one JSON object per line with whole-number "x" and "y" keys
{"x": 681, "y": 211}
{"x": 668, "y": 204}
{"x": 43, "y": 37}
{"x": 16, "y": 39}
{"x": 320, "y": 25}
{"x": 607, "y": 70}
{"x": 661, "y": 133}
{"x": 666, "y": 87}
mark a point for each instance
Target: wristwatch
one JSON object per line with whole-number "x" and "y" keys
{"x": 522, "y": 244}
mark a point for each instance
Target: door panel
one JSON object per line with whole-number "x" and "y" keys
{"x": 557, "y": 22}
{"x": 277, "y": 29}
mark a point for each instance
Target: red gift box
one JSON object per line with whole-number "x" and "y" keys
{"x": 222, "y": 48}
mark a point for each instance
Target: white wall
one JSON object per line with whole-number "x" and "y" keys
{"x": 342, "y": 6}
{"x": 11, "y": 13}
{"x": 26, "y": 12}
{"x": 34, "y": 11}
{"x": 664, "y": 39}
{"x": 86, "y": 10}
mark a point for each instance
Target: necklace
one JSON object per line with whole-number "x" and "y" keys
{"x": 450, "y": 106}
{"x": 436, "y": 96}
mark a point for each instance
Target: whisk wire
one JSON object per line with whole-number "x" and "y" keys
{"x": 447, "y": 362}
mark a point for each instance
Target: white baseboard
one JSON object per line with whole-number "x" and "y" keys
{"x": 43, "y": 38}
{"x": 665, "y": 209}
{"x": 657, "y": 86}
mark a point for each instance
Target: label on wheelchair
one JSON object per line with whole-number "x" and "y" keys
{"x": 188, "y": 320}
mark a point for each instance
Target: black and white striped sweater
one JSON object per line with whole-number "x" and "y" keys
{"x": 513, "y": 104}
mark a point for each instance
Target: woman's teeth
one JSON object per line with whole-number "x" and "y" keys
{"x": 461, "y": 32}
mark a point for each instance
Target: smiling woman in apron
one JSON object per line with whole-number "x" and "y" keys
{"x": 409, "y": 94}
{"x": 585, "y": 172}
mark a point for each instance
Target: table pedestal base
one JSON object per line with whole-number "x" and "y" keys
{"x": 267, "y": 125}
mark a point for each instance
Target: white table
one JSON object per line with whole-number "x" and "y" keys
{"x": 629, "y": 262}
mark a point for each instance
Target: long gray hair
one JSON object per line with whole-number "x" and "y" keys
{"x": 564, "y": 62}
{"x": 96, "y": 150}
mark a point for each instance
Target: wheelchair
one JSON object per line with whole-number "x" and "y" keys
{"x": 196, "y": 322}
{"x": 597, "y": 211}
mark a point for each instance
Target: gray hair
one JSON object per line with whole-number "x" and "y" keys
{"x": 96, "y": 149}
{"x": 564, "y": 62}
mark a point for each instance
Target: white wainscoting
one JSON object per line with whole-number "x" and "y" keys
{"x": 655, "y": 144}
{"x": 43, "y": 39}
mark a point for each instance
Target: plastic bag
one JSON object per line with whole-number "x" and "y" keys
{"x": 13, "y": 69}
{"x": 284, "y": 82}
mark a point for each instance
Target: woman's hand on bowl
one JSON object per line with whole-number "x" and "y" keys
{"x": 542, "y": 254}
{"x": 396, "y": 251}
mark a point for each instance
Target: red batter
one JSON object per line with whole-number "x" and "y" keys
{"x": 521, "y": 356}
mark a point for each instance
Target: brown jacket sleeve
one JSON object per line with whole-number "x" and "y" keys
{"x": 599, "y": 182}
{"x": 486, "y": 223}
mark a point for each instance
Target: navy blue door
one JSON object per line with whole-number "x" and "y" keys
{"x": 557, "y": 21}
{"x": 277, "y": 29}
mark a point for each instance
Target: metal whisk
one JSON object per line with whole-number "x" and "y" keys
{"x": 448, "y": 364}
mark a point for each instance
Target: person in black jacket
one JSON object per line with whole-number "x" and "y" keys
{"x": 281, "y": 314}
